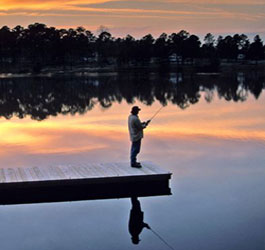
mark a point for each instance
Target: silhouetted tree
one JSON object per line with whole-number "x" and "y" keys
{"x": 227, "y": 47}
{"x": 145, "y": 48}
{"x": 7, "y": 43}
{"x": 104, "y": 45}
{"x": 208, "y": 48}
{"x": 127, "y": 50}
{"x": 242, "y": 43}
{"x": 191, "y": 47}
{"x": 161, "y": 48}
{"x": 176, "y": 42}
{"x": 256, "y": 49}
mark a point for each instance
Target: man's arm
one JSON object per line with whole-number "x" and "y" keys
{"x": 141, "y": 125}
{"x": 138, "y": 124}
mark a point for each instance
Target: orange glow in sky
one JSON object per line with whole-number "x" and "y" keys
{"x": 139, "y": 18}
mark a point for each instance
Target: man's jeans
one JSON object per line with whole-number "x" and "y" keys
{"x": 135, "y": 150}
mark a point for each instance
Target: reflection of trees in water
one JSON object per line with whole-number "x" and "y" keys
{"x": 238, "y": 90}
{"x": 43, "y": 97}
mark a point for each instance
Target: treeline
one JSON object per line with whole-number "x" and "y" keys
{"x": 39, "y": 45}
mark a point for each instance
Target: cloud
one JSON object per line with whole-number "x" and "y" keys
{"x": 168, "y": 5}
{"x": 140, "y": 17}
{"x": 140, "y": 12}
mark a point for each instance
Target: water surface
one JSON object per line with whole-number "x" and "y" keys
{"x": 210, "y": 135}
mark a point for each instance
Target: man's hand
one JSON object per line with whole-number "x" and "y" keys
{"x": 147, "y": 226}
{"x": 145, "y": 124}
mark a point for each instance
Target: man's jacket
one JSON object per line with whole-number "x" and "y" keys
{"x": 135, "y": 128}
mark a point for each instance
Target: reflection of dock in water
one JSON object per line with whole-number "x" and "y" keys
{"x": 81, "y": 182}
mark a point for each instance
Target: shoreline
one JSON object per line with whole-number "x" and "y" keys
{"x": 159, "y": 68}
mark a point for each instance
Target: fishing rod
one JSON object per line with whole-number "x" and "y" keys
{"x": 155, "y": 114}
{"x": 155, "y": 233}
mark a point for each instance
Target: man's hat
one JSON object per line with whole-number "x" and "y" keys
{"x": 135, "y": 240}
{"x": 135, "y": 108}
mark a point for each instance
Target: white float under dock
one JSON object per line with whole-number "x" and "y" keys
{"x": 81, "y": 182}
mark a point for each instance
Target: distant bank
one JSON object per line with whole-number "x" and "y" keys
{"x": 195, "y": 66}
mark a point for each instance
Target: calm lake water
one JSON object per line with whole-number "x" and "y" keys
{"x": 210, "y": 135}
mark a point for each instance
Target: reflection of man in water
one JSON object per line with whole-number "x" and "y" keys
{"x": 136, "y": 221}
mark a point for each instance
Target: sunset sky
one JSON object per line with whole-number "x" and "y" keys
{"x": 139, "y": 18}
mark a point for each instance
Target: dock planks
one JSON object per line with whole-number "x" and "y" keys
{"x": 81, "y": 182}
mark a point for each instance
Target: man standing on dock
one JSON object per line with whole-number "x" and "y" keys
{"x": 136, "y": 128}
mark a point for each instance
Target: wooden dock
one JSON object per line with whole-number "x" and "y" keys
{"x": 81, "y": 182}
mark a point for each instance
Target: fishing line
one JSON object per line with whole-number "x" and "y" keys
{"x": 156, "y": 114}
{"x": 155, "y": 233}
